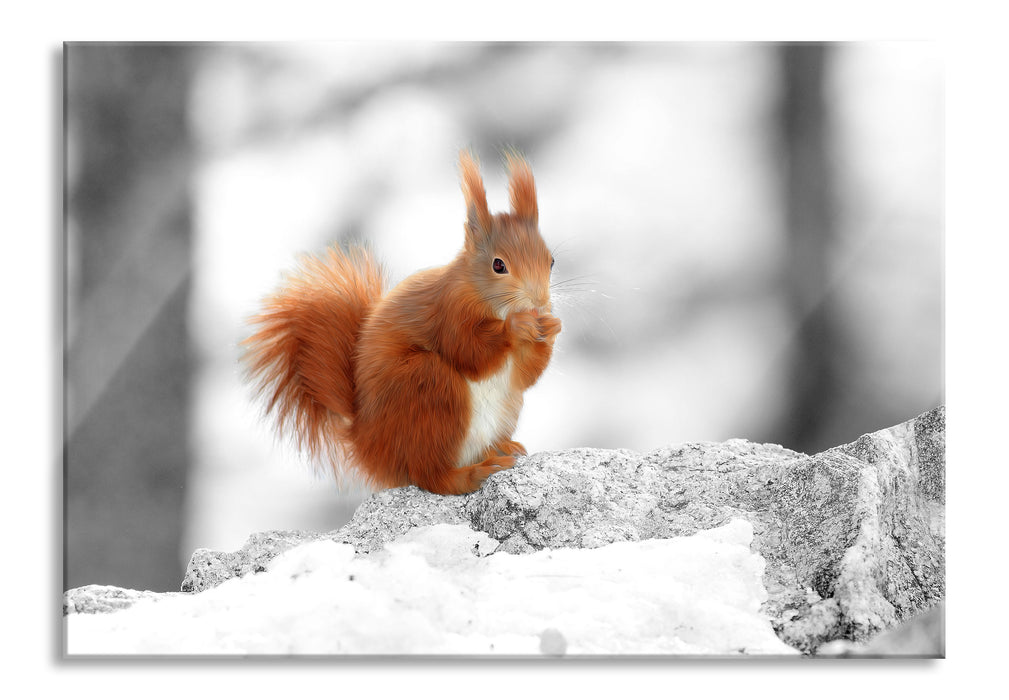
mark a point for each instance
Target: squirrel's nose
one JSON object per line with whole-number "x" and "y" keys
{"x": 538, "y": 297}
{"x": 543, "y": 305}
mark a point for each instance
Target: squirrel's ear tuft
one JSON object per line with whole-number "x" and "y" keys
{"x": 477, "y": 215}
{"x": 521, "y": 188}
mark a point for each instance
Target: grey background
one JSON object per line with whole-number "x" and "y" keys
{"x": 756, "y": 229}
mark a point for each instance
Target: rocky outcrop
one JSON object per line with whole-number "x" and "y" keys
{"x": 853, "y": 537}
{"x": 861, "y": 528}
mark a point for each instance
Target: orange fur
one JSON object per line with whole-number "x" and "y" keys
{"x": 422, "y": 385}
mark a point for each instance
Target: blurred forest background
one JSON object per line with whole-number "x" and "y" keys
{"x": 760, "y": 227}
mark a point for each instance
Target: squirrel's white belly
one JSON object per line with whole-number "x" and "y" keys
{"x": 493, "y": 413}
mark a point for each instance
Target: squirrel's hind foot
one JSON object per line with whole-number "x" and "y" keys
{"x": 467, "y": 479}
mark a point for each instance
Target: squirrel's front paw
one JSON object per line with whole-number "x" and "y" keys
{"x": 549, "y": 326}
{"x": 525, "y": 325}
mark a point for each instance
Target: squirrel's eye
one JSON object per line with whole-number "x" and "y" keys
{"x": 551, "y": 263}
{"x": 499, "y": 266}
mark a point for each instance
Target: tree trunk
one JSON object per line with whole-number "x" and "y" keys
{"x": 127, "y": 350}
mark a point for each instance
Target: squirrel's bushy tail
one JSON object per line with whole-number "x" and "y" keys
{"x": 300, "y": 358}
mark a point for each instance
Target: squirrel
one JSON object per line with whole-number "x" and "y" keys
{"x": 423, "y": 384}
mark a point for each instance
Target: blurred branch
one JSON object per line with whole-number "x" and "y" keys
{"x": 444, "y": 77}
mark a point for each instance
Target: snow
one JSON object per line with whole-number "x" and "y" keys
{"x": 443, "y": 589}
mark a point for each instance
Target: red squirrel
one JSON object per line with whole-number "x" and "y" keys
{"x": 421, "y": 385}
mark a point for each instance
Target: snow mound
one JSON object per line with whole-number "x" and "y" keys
{"x": 443, "y": 589}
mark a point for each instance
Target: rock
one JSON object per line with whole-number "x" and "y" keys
{"x": 922, "y": 636}
{"x": 208, "y": 568}
{"x": 571, "y": 498}
{"x": 862, "y": 526}
{"x": 102, "y": 599}
{"x": 853, "y": 537}
{"x": 588, "y": 498}
{"x": 391, "y": 513}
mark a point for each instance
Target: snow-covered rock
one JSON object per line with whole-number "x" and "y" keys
{"x": 848, "y": 543}
{"x": 438, "y": 590}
